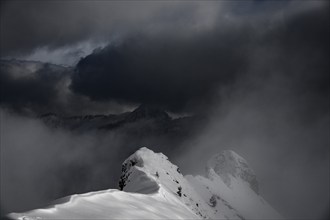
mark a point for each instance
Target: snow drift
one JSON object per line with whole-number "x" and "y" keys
{"x": 151, "y": 187}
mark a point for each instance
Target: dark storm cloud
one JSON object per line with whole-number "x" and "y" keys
{"x": 175, "y": 70}
{"x": 178, "y": 66}
{"x": 161, "y": 69}
{"x": 36, "y": 88}
{"x": 30, "y": 84}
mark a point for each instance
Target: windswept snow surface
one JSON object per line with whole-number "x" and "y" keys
{"x": 151, "y": 187}
{"x": 113, "y": 204}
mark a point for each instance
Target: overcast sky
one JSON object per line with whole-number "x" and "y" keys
{"x": 258, "y": 69}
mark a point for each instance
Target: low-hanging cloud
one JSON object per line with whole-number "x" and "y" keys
{"x": 277, "y": 116}
{"x": 40, "y": 164}
{"x": 283, "y": 135}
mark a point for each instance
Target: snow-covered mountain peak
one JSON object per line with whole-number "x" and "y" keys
{"x": 229, "y": 164}
{"x": 151, "y": 187}
{"x": 138, "y": 173}
{"x": 148, "y": 172}
{"x": 146, "y": 165}
{"x": 145, "y": 156}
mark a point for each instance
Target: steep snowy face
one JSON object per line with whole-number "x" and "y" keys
{"x": 230, "y": 189}
{"x": 147, "y": 172}
{"x": 229, "y": 165}
{"x": 136, "y": 177}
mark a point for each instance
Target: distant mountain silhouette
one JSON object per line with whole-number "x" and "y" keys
{"x": 144, "y": 120}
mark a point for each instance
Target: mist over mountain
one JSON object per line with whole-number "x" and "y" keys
{"x": 86, "y": 84}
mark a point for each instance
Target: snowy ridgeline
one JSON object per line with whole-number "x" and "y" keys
{"x": 151, "y": 187}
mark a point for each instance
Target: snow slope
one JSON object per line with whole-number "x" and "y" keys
{"x": 231, "y": 189}
{"x": 151, "y": 187}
